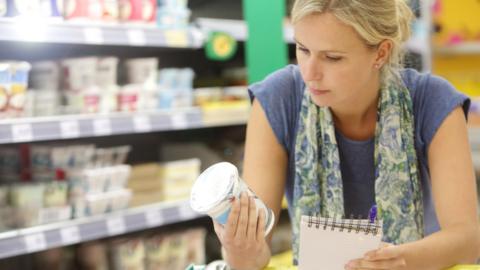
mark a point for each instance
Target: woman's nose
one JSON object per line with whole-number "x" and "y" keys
{"x": 312, "y": 70}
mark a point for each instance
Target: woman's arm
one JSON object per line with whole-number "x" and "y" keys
{"x": 264, "y": 171}
{"x": 265, "y": 162}
{"x": 455, "y": 198}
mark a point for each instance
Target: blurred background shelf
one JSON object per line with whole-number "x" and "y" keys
{"x": 459, "y": 49}
{"x": 94, "y": 125}
{"x": 38, "y": 238}
{"x": 98, "y": 34}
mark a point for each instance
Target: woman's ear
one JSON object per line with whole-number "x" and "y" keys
{"x": 383, "y": 53}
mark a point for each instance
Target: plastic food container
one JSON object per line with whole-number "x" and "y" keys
{"x": 216, "y": 186}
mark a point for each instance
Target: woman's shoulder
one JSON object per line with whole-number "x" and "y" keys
{"x": 427, "y": 85}
{"x": 433, "y": 98}
{"x": 280, "y": 95}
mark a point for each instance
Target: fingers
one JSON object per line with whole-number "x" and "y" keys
{"x": 261, "y": 225}
{"x": 243, "y": 217}
{"x": 360, "y": 264}
{"x": 231, "y": 225}
{"x": 384, "y": 253}
{"x": 252, "y": 220}
{"x": 243, "y": 222}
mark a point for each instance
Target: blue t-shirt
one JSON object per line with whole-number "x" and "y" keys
{"x": 281, "y": 93}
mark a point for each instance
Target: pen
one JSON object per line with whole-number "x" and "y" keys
{"x": 372, "y": 215}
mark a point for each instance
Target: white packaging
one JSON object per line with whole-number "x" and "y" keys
{"x": 55, "y": 194}
{"x": 45, "y": 102}
{"x": 45, "y": 75}
{"x": 117, "y": 177}
{"x": 88, "y": 181}
{"x": 91, "y": 205}
{"x": 214, "y": 189}
{"x": 79, "y": 73}
{"x": 119, "y": 200}
{"x": 54, "y": 214}
{"x": 107, "y": 71}
{"x": 142, "y": 71}
{"x": 26, "y": 200}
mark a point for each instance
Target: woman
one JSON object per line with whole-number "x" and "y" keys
{"x": 359, "y": 130}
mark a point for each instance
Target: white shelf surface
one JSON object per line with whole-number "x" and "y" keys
{"x": 24, "y": 130}
{"x": 238, "y": 30}
{"x": 462, "y": 48}
{"x": 38, "y": 238}
{"x": 18, "y": 30}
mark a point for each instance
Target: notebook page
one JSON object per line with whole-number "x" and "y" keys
{"x": 331, "y": 249}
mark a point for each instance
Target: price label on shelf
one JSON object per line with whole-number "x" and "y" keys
{"x": 35, "y": 242}
{"x": 70, "y": 235}
{"x": 22, "y": 133}
{"x": 136, "y": 37}
{"x": 93, "y": 35}
{"x": 142, "y": 123}
{"x": 154, "y": 218}
{"x": 179, "y": 121}
{"x": 102, "y": 127}
{"x": 176, "y": 38}
{"x": 69, "y": 129}
{"x": 116, "y": 225}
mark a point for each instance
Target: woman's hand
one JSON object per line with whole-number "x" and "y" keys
{"x": 243, "y": 236}
{"x": 388, "y": 256}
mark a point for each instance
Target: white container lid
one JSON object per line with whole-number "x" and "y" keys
{"x": 213, "y": 186}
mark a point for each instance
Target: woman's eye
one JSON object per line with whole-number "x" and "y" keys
{"x": 304, "y": 50}
{"x": 334, "y": 58}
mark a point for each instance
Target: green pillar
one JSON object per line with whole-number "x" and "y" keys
{"x": 266, "y": 49}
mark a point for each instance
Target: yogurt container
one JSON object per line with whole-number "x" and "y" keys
{"x": 216, "y": 186}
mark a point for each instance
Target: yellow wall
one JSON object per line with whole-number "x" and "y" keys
{"x": 463, "y": 71}
{"x": 461, "y": 18}
{"x": 458, "y": 16}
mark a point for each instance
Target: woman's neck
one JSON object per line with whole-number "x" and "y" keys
{"x": 357, "y": 122}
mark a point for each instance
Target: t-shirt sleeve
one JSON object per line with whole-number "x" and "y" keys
{"x": 436, "y": 99}
{"x": 277, "y": 94}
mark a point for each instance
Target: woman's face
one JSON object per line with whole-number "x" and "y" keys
{"x": 335, "y": 63}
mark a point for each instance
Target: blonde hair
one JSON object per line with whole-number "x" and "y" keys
{"x": 374, "y": 20}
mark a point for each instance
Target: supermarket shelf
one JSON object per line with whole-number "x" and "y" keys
{"x": 70, "y": 232}
{"x": 463, "y": 48}
{"x": 238, "y": 30}
{"x": 418, "y": 45}
{"x": 98, "y": 34}
{"x": 20, "y": 130}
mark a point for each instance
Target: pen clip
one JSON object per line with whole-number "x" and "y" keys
{"x": 372, "y": 215}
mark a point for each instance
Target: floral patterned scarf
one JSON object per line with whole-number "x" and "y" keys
{"x": 318, "y": 182}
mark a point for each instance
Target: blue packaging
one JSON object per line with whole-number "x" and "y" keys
{"x": 35, "y": 8}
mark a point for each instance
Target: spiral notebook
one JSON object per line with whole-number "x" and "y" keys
{"x": 328, "y": 243}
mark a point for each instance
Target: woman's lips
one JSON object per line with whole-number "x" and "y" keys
{"x": 318, "y": 91}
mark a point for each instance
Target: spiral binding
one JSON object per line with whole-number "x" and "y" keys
{"x": 357, "y": 225}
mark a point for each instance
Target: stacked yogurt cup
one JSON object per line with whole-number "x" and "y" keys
{"x": 216, "y": 186}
